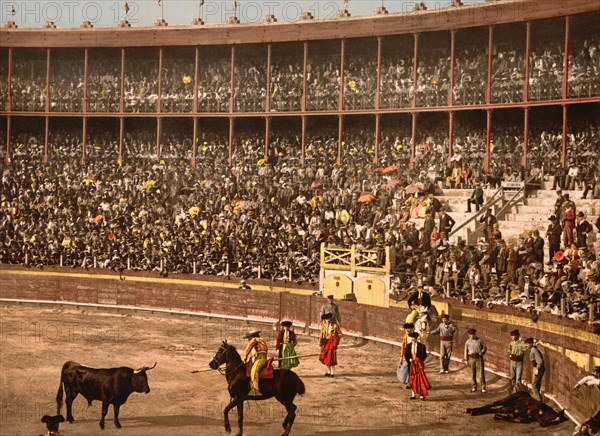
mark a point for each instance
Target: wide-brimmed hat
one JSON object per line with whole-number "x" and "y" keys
{"x": 286, "y": 323}
{"x": 326, "y": 315}
{"x": 413, "y": 334}
{"x": 252, "y": 334}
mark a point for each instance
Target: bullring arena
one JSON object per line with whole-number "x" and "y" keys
{"x": 364, "y": 397}
{"x": 166, "y": 188}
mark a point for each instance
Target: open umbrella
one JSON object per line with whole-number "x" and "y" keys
{"x": 390, "y": 169}
{"x": 392, "y": 183}
{"x": 412, "y": 189}
{"x": 366, "y": 198}
{"x": 317, "y": 183}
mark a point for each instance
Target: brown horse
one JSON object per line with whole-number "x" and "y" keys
{"x": 284, "y": 387}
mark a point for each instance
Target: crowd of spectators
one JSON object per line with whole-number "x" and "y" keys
{"x": 28, "y": 85}
{"x": 470, "y": 75}
{"x": 3, "y": 83}
{"x": 433, "y": 78}
{"x": 178, "y": 85}
{"x": 323, "y": 82}
{"x": 286, "y": 83}
{"x": 360, "y": 75}
{"x": 323, "y": 79}
{"x": 508, "y": 75}
{"x": 546, "y": 71}
{"x": 584, "y": 68}
{"x": 397, "y": 79}
{"x": 141, "y": 83}
{"x": 104, "y": 84}
{"x": 545, "y": 147}
{"x": 66, "y": 85}
{"x": 266, "y": 216}
{"x": 250, "y": 83}
{"x": 494, "y": 272}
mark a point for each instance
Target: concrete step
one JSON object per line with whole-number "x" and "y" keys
{"x": 516, "y": 225}
{"x": 544, "y": 209}
{"x": 456, "y": 193}
{"x": 587, "y": 206}
{"x": 525, "y": 218}
{"x": 464, "y": 192}
{"x": 454, "y": 200}
{"x": 549, "y": 193}
{"x": 460, "y": 216}
{"x": 457, "y": 200}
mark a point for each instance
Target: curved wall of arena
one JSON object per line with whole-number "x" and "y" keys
{"x": 485, "y": 14}
{"x": 569, "y": 347}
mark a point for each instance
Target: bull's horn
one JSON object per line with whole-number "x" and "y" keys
{"x": 144, "y": 368}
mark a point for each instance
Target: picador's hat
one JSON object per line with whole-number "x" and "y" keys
{"x": 254, "y": 334}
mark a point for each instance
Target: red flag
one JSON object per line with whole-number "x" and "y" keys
{"x": 126, "y": 8}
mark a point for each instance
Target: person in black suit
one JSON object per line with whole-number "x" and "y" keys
{"x": 446, "y": 224}
{"x": 420, "y": 298}
{"x": 415, "y": 354}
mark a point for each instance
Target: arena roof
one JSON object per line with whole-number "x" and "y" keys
{"x": 492, "y": 13}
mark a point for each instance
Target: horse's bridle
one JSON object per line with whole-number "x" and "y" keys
{"x": 224, "y": 353}
{"x": 223, "y": 371}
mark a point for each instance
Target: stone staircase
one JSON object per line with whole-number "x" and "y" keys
{"x": 538, "y": 207}
{"x": 516, "y": 220}
{"x": 455, "y": 201}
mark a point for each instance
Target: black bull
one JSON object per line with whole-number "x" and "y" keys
{"x": 110, "y": 385}
{"x": 520, "y": 407}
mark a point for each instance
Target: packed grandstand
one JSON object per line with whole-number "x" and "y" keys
{"x": 244, "y": 159}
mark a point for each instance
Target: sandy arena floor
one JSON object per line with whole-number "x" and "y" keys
{"x": 364, "y": 398}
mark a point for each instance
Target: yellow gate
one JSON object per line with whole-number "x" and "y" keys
{"x": 370, "y": 290}
{"x": 338, "y": 285}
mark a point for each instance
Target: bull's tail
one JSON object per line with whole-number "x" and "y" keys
{"x": 59, "y": 394}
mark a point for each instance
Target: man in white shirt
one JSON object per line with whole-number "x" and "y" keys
{"x": 590, "y": 380}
